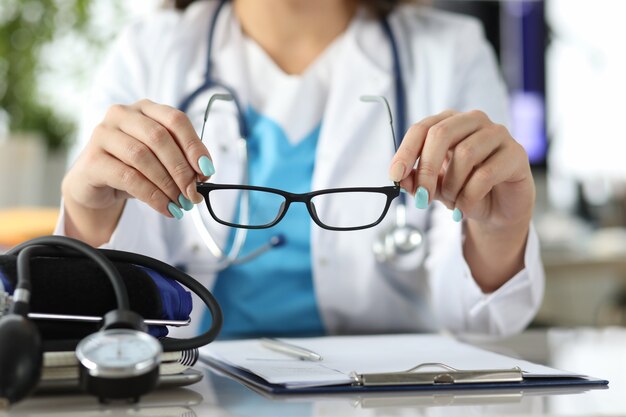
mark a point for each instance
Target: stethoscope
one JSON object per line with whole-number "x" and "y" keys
{"x": 391, "y": 245}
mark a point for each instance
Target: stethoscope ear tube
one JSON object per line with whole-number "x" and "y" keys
{"x": 232, "y": 258}
{"x": 206, "y": 237}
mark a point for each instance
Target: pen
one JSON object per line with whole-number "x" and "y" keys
{"x": 289, "y": 349}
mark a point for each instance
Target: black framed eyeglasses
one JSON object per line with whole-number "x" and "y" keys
{"x": 270, "y": 205}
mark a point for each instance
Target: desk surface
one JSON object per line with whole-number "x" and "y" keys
{"x": 596, "y": 352}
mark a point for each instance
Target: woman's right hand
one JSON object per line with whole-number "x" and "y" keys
{"x": 146, "y": 150}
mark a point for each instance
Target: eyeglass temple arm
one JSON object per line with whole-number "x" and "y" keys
{"x": 382, "y": 100}
{"x": 215, "y": 97}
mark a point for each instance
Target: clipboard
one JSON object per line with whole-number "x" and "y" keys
{"x": 380, "y": 363}
{"x": 411, "y": 381}
{"x": 226, "y": 385}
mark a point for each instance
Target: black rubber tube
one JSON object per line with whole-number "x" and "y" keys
{"x": 54, "y": 246}
{"x": 41, "y": 245}
{"x": 172, "y": 344}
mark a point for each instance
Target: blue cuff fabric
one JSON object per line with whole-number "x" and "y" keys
{"x": 176, "y": 301}
{"x": 5, "y": 285}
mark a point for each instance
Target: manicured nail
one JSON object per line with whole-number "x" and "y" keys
{"x": 421, "y": 198}
{"x": 397, "y": 172}
{"x": 457, "y": 215}
{"x": 206, "y": 166}
{"x": 175, "y": 210}
{"x": 184, "y": 202}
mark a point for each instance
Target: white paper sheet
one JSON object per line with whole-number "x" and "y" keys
{"x": 362, "y": 354}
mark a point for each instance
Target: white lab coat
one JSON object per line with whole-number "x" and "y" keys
{"x": 446, "y": 64}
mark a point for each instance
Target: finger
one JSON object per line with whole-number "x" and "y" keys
{"x": 138, "y": 155}
{"x": 409, "y": 182}
{"x": 163, "y": 145}
{"x": 127, "y": 179}
{"x": 411, "y": 147}
{"x": 467, "y": 155}
{"x": 440, "y": 139}
{"x": 442, "y": 172}
{"x": 182, "y": 130}
{"x": 495, "y": 170}
{"x": 448, "y": 203}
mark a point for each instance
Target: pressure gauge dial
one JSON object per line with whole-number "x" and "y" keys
{"x": 119, "y": 363}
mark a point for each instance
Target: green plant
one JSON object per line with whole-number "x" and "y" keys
{"x": 26, "y": 27}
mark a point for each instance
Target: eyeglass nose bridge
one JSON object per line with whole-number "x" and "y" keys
{"x": 305, "y": 199}
{"x": 313, "y": 212}
{"x": 286, "y": 203}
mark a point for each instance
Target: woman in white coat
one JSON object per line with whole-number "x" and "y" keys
{"x": 299, "y": 67}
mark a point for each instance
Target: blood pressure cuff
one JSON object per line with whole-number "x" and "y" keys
{"x": 75, "y": 286}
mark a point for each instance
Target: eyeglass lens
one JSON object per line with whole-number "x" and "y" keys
{"x": 264, "y": 207}
{"x": 349, "y": 209}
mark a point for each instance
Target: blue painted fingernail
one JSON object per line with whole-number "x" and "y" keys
{"x": 421, "y": 198}
{"x": 184, "y": 202}
{"x": 206, "y": 166}
{"x": 457, "y": 215}
{"x": 175, "y": 210}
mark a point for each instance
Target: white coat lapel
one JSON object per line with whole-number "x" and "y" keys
{"x": 348, "y": 121}
{"x": 354, "y": 149}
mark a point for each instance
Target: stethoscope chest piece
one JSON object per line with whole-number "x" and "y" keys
{"x": 402, "y": 245}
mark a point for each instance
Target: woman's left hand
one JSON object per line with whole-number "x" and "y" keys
{"x": 477, "y": 169}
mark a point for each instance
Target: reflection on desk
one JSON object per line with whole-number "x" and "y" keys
{"x": 167, "y": 402}
{"x": 237, "y": 399}
{"x": 600, "y": 353}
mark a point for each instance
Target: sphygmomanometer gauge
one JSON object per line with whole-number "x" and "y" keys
{"x": 119, "y": 364}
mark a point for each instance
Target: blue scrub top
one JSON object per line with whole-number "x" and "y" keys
{"x": 273, "y": 294}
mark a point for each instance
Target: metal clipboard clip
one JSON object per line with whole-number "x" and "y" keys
{"x": 448, "y": 375}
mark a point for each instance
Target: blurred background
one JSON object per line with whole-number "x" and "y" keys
{"x": 563, "y": 61}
